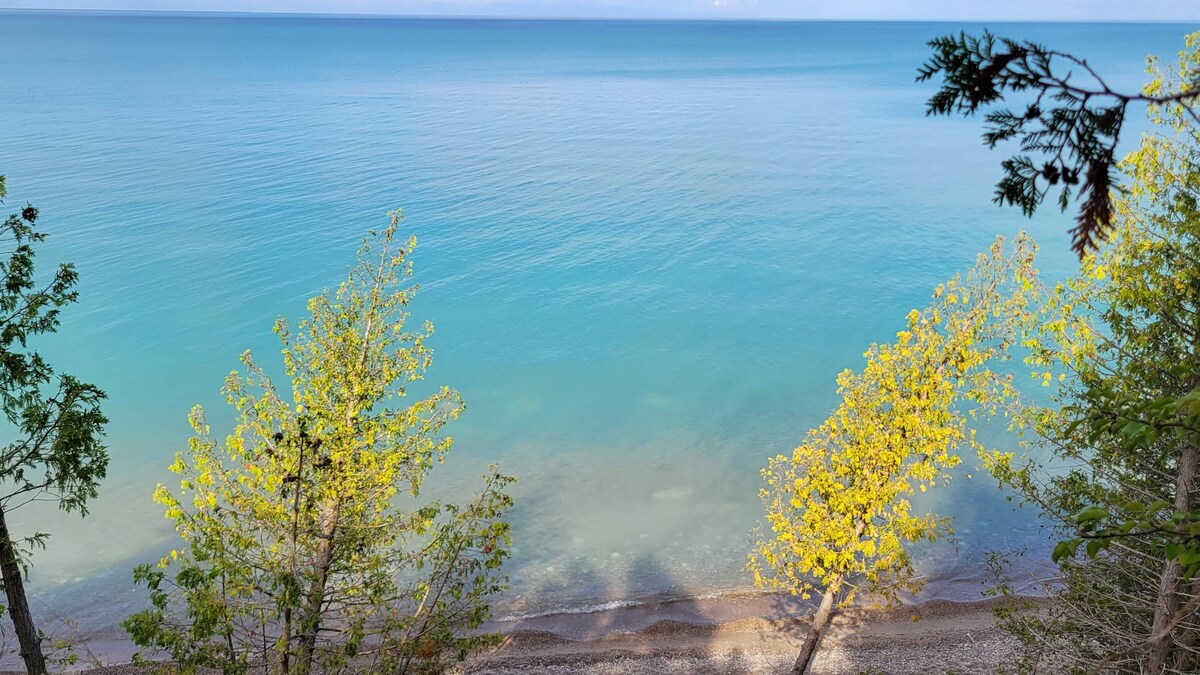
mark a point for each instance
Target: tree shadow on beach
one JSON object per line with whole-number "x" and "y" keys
{"x": 637, "y": 617}
{"x": 791, "y": 615}
{"x": 736, "y": 634}
{"x": 630, "y": 626}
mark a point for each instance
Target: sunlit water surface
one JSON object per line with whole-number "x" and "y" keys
{"x": 647, "y": 247}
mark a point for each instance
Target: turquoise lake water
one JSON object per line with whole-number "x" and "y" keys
{"x": 647, "y": 247}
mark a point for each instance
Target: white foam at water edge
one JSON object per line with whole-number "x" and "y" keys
{"x": 626, "y": 604}
{"x": 585, "y": 609}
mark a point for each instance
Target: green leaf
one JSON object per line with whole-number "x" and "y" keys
{"x": 1065, "y": 549}
{"x": 1090, "y": 514}
{"x": 1133, "y": 431}
{"x": 1189, "y": 556}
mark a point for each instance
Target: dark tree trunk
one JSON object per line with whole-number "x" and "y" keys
{"x": 311, "y": 622}
{"x": 18, "y": 606}
{"x": 820, "y": 620}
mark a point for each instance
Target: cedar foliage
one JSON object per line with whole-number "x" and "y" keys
{"x": 1068, "y": 132}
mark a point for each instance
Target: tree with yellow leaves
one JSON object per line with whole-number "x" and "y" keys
{"x": 1120, "y": 467}
{"x": 839, "y": 507}
{"x": 305, "y": 546}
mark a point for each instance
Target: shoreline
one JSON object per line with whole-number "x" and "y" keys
{"x": 739, "y": 633}
{"x": 927, "y": 637}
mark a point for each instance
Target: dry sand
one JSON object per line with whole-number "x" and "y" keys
{"x": 751, "y": 634}
{"x": 945, "y": 637}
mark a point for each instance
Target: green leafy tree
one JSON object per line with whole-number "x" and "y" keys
{"x": 57, "y": 451}
{"x": 1068, "y": 131}
{"x": 839, "y": 506}
{"x": 306, "y": 548}
{"x": 1125, "y": 336}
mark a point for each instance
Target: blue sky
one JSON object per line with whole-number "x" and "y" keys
{"x": 1019, "y": 10}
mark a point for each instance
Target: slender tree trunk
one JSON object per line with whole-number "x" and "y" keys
{"x": 311, "y": 617}
{"x": 1167, "y": 602}
{"x": 285, "y": 666}
{"x": 18, "y": 606}
{"x": 820, "y": 620}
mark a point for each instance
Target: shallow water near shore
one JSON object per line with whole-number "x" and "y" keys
{"x": 647, "y": 247}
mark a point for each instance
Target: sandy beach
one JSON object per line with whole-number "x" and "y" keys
{"x": 742, "y": 636}
{"x": 934, "y": 637}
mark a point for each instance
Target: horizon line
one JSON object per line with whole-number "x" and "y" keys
{"x": 493, "y": 17}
